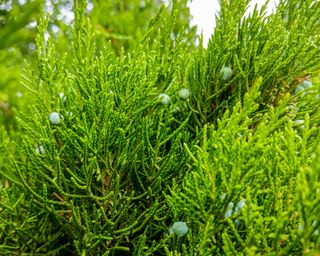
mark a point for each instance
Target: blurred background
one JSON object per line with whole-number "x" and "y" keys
{"x": 203, "y": 14}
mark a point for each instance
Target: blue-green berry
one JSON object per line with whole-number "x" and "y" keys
{"x": 240, "y": 205}
{"x": 299, "y": 88}
{"x": 237, "y": 222}
{"x": 226, "y": 73}
{"x": 165, "y": 99}
{"x": 62, "y": 96}
{"x": 179, "y": 228}
{"x": 40, "y": 150}
{"x": 306, "y": 84}
{"x": 229, "y": 210}
{"x": 55, "y": 118}
{"x": 184, "y": 93}
{"x": 298, "y": 122}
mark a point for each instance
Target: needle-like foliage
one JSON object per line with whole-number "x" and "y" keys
{"x": 141, "y": 142}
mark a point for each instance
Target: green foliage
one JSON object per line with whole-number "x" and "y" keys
{"x": 266, "y": 165}
{"x": 15, "y": 41}
{"x": 273, "y": 47}
{"x": 102, "y": 165}
{"x": 125, "y": 22}
{"x": 102, "y": 171}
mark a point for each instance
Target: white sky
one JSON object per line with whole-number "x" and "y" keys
{"x": 203, "y": 12}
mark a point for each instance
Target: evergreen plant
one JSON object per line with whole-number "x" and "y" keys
{"x": 140, "y": 141}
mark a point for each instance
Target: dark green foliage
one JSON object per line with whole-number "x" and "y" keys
{"x": 101, "y": 166}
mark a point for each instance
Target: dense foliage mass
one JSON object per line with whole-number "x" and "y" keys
{"x": 125, "y": 137}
